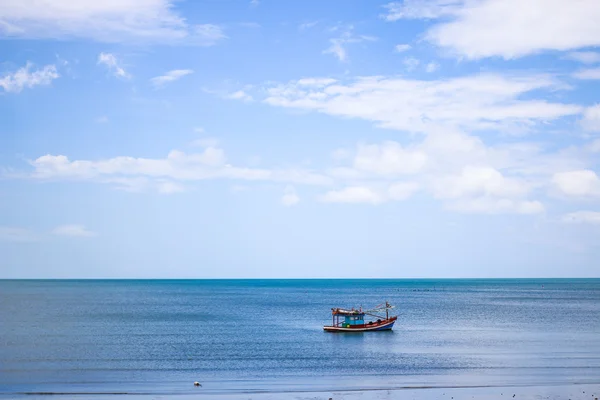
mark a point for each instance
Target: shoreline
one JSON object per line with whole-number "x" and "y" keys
{"x": 558, "y": 391}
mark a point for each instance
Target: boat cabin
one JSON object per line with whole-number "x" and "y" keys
{"x": 351, "y": 318}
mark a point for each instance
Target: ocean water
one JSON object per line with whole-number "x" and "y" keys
{"x": 159, "y": 336}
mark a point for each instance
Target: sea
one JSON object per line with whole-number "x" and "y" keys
{"x": 255, "y": 336}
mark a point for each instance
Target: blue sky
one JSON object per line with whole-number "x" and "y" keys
{"x": 251, "y": 139}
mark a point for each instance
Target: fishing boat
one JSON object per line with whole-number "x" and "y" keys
{"x": 353, "y": 320}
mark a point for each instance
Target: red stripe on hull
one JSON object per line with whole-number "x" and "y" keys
{"x": 384, "y": 325}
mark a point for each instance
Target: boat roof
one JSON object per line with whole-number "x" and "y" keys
{"x": 379, "y": 308}
{"x": 341, "y": 311}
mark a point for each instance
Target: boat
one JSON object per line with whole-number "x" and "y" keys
{"x": 353, "y": 320}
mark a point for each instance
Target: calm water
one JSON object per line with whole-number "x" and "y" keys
{"x": 159, "y": 336}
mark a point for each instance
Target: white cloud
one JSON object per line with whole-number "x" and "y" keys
{"x": 25, "y": 78}
{"x": 254, "y": 3}
{"x": 432, "y": 67}
{"x": 49, "y": 166}
{"x": 18, "y": 235}
{"x": 240, "y": 95}
{"x": 110, "y": 61}
{"x": 591, "y": 118}
{"x": 459, "y": 169}
{"x": 585, "y": 57}
{"x": 307, "y": 25}
{"x": 487, "y": 28}
{"x": 388, "y": 159}
{"x": 199, "y": 129}
{"x": 353, "y": 194}
{"x": 338, "y": 45}
{"x": 106, "y": 21}
{"x": 420, "y": 9}
{"x": 582, "y": 217}
{"x": 289, "y": 198}
{"x": 456, "y": 168}
{"x": 374, "y": 193}
{"x": 102, "y": 119}
{"x": 483, "y": 101}
{"x": 451, "y": 167}
{"x": 400, "y": 48}
{"x": 316, "y": 82}
{"x": 207, "y": 34}
{"x": 579, "y": 183}
{"x": 402, "y": 190}
{"x": 588, "y": 74}
{"x": 138, "y": 174}
{"x": 462, "y": 171}
{"x": 337, "y": 49}
{"x": 474, "y": 181}
{"x": 411, "y": 63}
{"x": 73, "y": 230}
{"x": 170, "y": 76}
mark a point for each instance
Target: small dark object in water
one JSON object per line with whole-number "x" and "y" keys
{"x": 197, "y": 383}
{"x": 514, "y": 395}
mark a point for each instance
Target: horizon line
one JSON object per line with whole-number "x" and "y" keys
{"x": 291, "y": 279}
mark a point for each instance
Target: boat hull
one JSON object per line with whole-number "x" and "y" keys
{"x": 383, "y": 326}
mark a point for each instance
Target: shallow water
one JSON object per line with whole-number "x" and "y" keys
{"x": 238, "y": 336}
